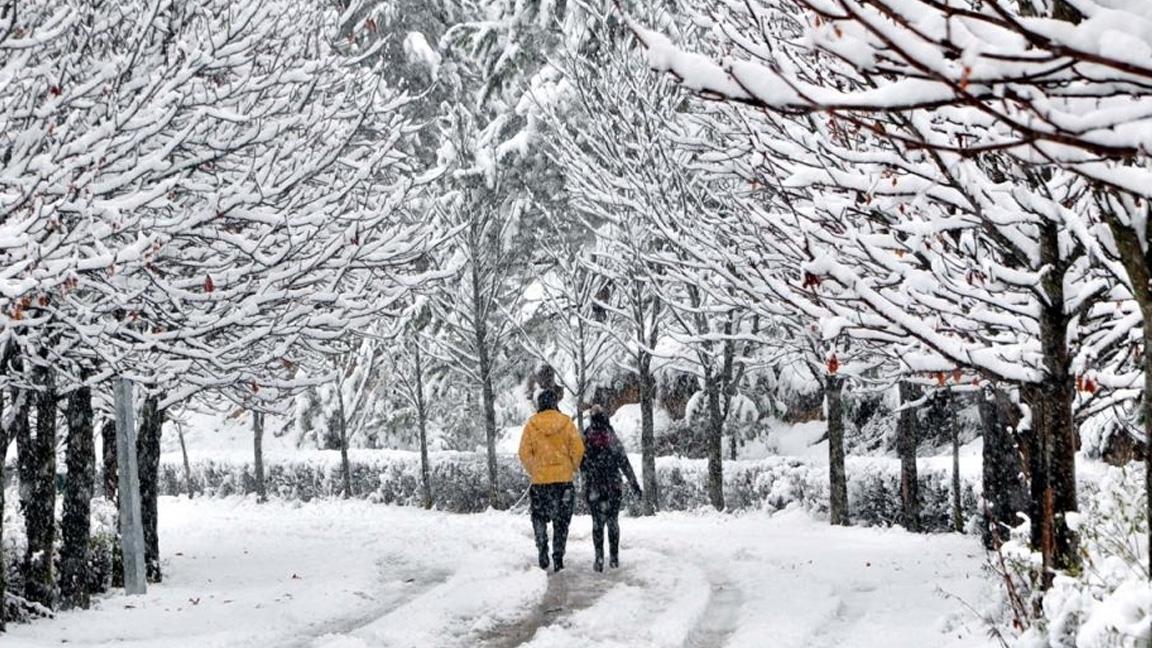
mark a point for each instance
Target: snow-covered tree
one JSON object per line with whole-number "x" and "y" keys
{"x": 208, "y": 192}
{"x": 930, "y": 124}
{"x": 576, "y": 343}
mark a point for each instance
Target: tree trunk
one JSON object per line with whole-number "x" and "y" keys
{"x": 258, "y": 455}
{"x": 715, "y": 443}
{"x": 1063, "y": 475}
{"x": 342, "y": 428}
{"x": 188, "y": 481}
{"x": 906, "y": 442}
{"x": 5, "y": 438}
{"x": 148, "y": 460}
{"x": 1065, "y": 437}
{"x": 949, "y": 419}
{"x": 1040, "y": 498}
{"x": 647, "y": 437}
{"x": 109, "y": 485}
{"x": 487, "y": 396}
{"x": 3, "y": 558}
{"x": 108, "y": 441}
{"x": 1058, "y": 391}
{"x": 78, "y": 491}
{"x": 1052, "y": 473}
{"x": 1148, "y": 429}
{"x": 422, "y": 421}
{"x": 1137, "y": 261}
{"x": 581, "y": 372}
{"x": 837, "y": 477}
{"x": 488, "y": 402}
{"x": 38, "y": 459}
{"x": 1005, "y": 493}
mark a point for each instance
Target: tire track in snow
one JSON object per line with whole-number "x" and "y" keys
{"x": 577, "y": 599}
{"x": 403, "y": 585}
{"x": 720, "y": 619}
{"x": 839, "y": 628}
{"x": 569, "y": 592}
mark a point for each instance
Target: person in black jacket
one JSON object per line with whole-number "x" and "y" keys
{"x": 604, "y": 461}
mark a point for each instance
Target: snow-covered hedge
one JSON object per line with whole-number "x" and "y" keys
{"x": 459, "y": 479}
{"x": 1109, "y": 603}
{"x": 459, "y": 482}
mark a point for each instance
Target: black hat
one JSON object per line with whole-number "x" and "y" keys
{"x": 546, "y": 400}
{"x": 599, "y": 416}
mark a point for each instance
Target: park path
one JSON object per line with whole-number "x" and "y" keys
{"x": 348, "y": 574}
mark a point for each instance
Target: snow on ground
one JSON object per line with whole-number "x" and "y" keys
{"x": 349, "y": 574}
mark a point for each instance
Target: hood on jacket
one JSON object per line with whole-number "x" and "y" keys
{"x": 551, "y": 421}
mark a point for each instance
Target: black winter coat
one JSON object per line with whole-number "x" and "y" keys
{"x": 604, "y": 462}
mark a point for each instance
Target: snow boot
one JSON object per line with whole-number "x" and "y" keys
{"x": 544, "y": 559}
{"x": 557, "y": 562}
{"x": 614, "y": 561}
{"x": 598, "y": 564}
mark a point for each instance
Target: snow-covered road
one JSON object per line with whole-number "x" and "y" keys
{"x": 355, "y": 575}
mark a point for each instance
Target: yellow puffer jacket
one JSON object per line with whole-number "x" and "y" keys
{"x": 551, "y": 448}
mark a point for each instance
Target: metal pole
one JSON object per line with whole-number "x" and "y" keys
{"x": 131, "y": 525}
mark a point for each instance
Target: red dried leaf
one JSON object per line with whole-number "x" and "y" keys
{"x": 209, "y": 285}
{"x": 833, "y": 365}
{"x": 1085, "y": 384}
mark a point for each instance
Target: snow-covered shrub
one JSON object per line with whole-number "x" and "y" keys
{"x": 460, "y": 482}
{"x": 102, "y": 547}
{"x": 1108, "y": 603}
{"x": 14, "y": 541}
{"x": 873, "y": 489}
{"x": 459, "y": 479}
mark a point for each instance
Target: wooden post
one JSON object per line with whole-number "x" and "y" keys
{"x": 837, "y": 475}
{"x": 131, "y": 525}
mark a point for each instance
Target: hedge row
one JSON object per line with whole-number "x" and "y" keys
{"x": 460, "y": 483}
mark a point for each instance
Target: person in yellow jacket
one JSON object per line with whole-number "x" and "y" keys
{"x": 551, "y": 449}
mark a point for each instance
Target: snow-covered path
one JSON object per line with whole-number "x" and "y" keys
{"x": 357, "y": 575}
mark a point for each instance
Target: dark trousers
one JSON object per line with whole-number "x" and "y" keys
{"x": 606, "y": 513}
{"x": 552, "y": 503}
